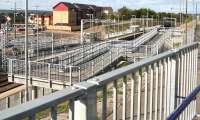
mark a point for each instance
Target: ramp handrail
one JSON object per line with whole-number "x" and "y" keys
{"x": 180, "y": 109}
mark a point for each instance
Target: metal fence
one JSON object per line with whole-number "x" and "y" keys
{"x": 86, "y": 62}
{"x": 45, "y": 71}
{"x": 150, "y": 89}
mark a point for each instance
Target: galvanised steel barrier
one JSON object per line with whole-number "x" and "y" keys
{"x": 95, "y": 66}
{"x": 84, "y": 54}
{"x": 149, "y": 89}
{"x": 87, "y": 52}
{"x": 77, "y": 67}
{"x": 38, "y": 71}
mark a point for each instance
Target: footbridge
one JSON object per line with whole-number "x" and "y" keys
{"x": 83, "y": 63}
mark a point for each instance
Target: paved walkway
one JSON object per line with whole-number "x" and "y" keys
{"x": 198, "y": 39}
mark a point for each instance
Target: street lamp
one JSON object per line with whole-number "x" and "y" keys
{"x": 26, "y": 50}
{"x": 143, "y": 17}
{"x": 118, "y": 23}
{"x": 133, "y": 16}
{"x": 171, "y": 16}
{"x": 123, "y": 22}
{"x": 14, "y": 16}
{"x": 36, "y": 8}
{"x": 147, "y": 17}
{"x": 158, "y": 20}
{"x": 152, "y": 22}
{"x": 186, "y": 11}
{"x": 134, "y": 23}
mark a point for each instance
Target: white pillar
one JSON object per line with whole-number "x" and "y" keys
{"x": 85, "y": 108}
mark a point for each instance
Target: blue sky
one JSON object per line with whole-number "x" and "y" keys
{"x": 157, "y": 5}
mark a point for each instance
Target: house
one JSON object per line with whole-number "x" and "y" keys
{"x": 107, "y": 10}
{"x": 67, "y": 16}
{"x": 43, "y": 18}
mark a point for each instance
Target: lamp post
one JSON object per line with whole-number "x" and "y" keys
{"x": 147, "y": 17}
{"x": 186, "y": 11}
{"x": 134, "y": 23}
{"x": 14, "y": 15}
{"x": 196, "y": 12}
{"x": 36, "y": 8}
{"x": 14, "y": 19}
{"x": 171, "y": 17}
{"x": 133, "y": 16}
{"x": 26, "y": 50}
{"x": 118, "y": 22}
{"x": 158, "y": 19}
{"x": 122, "y": 22}
{"x": 152, "y": 22}
{"x": 143, "y": 17}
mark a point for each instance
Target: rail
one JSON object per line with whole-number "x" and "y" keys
{"x": 147, "y": 89}
{"x": 179, "y": 112}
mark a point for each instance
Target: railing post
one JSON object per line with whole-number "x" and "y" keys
{"x": 93, "y": 68}
{"x": 32, "y": 117}
{"x": 104, "y": 103}
{"x": 8, "y": 102}
{"x": 71, "y": 110}
{"x": 115, "y": 101}
{"x": 49, "y": 75}
{"x": 146, "y": 93}
{"x": 124, "y": 98}
{"x": 70, "y": 75}
{"x": 146, "y": 50}
{"x": 29, "y": 72}
{"x": 133, "y": 78}
{"x": 65, "y": 75}
{"x": 54, "y": 112}
{"x": 157, "y": 50}
{"x": 161, "y": 90}
{"x": 34, "y": 92}
{"x": 11, "y": 69}
{"x": 85, "y": 107}
{"x": 156, "y": 90}
{"x": 102, "y": 63}
{"x": 151, "y": 92}
{"x": 21, "y": 97}
{"x": 79, "y": 74}
{"x": 139, "y": 79}
{"x": 110, "y": 56}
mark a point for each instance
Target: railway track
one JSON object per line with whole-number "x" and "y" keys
{"x": 5, "y": 85}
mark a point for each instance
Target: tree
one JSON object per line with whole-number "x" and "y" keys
{"x": 125, "y": 12}
{"x": 2, "y": 18}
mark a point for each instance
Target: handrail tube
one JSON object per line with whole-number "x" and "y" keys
{"x": 19, "y": 112}
{"x": 184, "y": 104}
{"x": 105, "y": 78}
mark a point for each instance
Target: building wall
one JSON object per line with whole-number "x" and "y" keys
{"x": 72, "y": 18}
{"x": 60, "y": 17}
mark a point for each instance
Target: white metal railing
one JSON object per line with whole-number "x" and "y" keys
{"x": 150, "y": 89}
{"x": 50, "y": 73}
{"x": 84, "y": 54}
{"x": 75, "y": 66}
